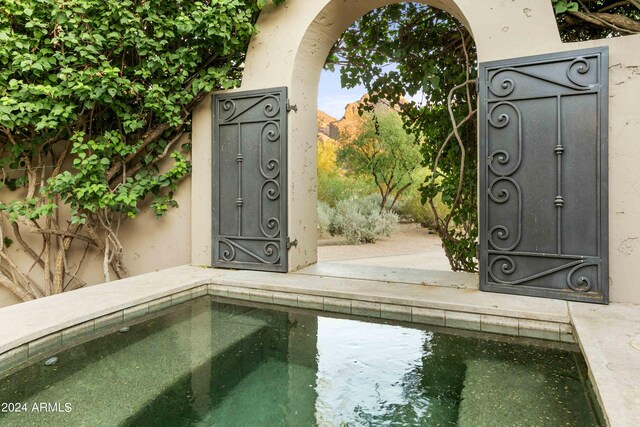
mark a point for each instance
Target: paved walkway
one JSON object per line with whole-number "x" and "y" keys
{"x": 411, "y": 247}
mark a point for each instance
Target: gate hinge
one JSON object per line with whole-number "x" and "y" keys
{"x": 290, "y": 106}
{"x": 477, "y": 85}
{"x": 290, "y": 243}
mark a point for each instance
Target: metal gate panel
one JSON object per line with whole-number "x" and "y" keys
{"x": 250, "y": 180}
{"x": 543, "y": 176}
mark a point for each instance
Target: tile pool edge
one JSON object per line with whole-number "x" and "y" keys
{"x": 609, "y": 337}
{"x": 370, "y": 306}
{"x": 31, "y": 343}
{"x": 45, "y": 321}
{"x": 39, "y": 318}
{"x": 33, "y": 349}
{"x": 54, "y": 320}
{"x": 43, "y": 317}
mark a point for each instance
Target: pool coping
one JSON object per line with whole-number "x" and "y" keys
{"x": 57, "y": 320}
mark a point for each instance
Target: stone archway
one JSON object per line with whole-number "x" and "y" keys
{"x": 290, "y": 50}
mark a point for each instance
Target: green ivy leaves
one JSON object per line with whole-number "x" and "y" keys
{"x": 562, "y": 6}
{"x": 94, "y": 77}
{"x": 85, "y": 188}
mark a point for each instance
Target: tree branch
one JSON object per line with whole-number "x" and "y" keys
{"x": 58, "y": 282}
{"x": 398, "y": 193}
{"x": 139, "y": 166}
{"x": 37, "y": 258}
{"x": 610, "y": 21}
{"x": 67, "y": 234}
{"x": 463, "y": 152}
{"x": 32, "y": 289}
{"x": 151, "y": 137}
{"x": 16, "y": 289}
{"x": 614, "y": 5}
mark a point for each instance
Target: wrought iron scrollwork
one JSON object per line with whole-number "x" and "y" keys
{"x": 272, "y": 193}
{"x": 250, "y": 158}
{"x": 271, "y": 251}
{"x": 270, "y": 109}
{"x": 273, "y": 189}
{"x": 582, "y": 68}
{"x": 502, "y": 121}
{"x": 502, "y": 196}
{"x": 507, "y": 266}
{"x": 229, "y": 253}
{"x": 229, "y": 106}
{"x": 270, "y": 170}
{"x": 270, "y": 133}
{"x": 582, "y": 283}
{"x": 504, "y": 86}
{"x": 543, "y": 204}
{"x": 503, "y": 158}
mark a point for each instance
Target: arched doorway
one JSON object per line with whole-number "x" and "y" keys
{"x": 290, "y": 51}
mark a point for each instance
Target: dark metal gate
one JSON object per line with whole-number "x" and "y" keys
{"x": 250, "y": 180}
{"x": 543, "y": 176}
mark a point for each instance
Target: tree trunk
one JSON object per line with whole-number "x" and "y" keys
{"x": 400, "y": 191}
{"x": 59, "y": 273}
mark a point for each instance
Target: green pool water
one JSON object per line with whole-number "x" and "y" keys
{"x": 208, "y": 363}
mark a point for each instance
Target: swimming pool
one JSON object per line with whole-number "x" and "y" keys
{"x": 208, "y": 362}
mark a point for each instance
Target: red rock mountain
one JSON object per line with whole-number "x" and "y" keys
{"x": 347, "y": 126}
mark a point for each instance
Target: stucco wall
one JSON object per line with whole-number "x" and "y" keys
{"x": 624, "y": 165}
{"x": 290, "y": 50}
{"x": 150, "y": 244}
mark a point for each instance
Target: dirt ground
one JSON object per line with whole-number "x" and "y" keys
{"x": 410, "y": 247}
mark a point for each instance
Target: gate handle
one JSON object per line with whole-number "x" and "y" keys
{"x": 290, "y": 243}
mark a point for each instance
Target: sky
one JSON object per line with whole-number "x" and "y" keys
{"x": 332, "y": 98}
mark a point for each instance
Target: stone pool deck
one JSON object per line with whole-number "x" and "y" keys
{"x": 609, "y": 336}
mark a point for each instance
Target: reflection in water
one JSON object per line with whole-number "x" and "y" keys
{"x": 364, "y": 371}
{"x": 384, "y": 375}
{"x": 212, "y": 364}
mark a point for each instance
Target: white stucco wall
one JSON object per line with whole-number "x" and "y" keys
{"x": 291, "y": 48}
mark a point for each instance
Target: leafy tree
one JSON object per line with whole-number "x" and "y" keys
{"x": 596, "y": 19}
{"x": 95, "y": 95}
{"x": 412, "y": 48}
{"x": 386, "y": 152}
{"x": 327, "y": 156}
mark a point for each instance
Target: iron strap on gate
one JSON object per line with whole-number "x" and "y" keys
{"x": 249, "y": 203}
{"x": 543, "y": 176}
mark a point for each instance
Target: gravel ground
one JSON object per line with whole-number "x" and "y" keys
{"x": 410, "y": 247}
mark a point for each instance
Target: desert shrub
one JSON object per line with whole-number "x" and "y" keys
{"x": 334, "y": 187}
{"x": 325, "y": 216}
{"x": 362, "y": 221}
{"x": 411, "y": 207}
